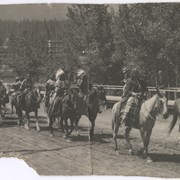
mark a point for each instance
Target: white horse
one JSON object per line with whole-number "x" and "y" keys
{"x": 176, "y": 116}
{"x": 147, "y": 118}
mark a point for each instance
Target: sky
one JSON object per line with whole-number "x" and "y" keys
{"x": 34, "y": 11}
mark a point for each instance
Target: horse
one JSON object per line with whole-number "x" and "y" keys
{"x": 147, "y": 117}
{"x": 13, "y": 101}
{"x": 30, "y": 103}
{"x": 66, "y": 107}
{"x": 176, "y": 116}
{"x": 4, "y": 99}
{"x": 96, "y": 102}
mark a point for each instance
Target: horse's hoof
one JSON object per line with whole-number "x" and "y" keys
{"x": 52, "y": 135}
{"x": 77, "y": 132}
{"x": 130, "y": 152}
{"x": 140, "y": 152}
{"x": 117, "y": 152}
{"x": 26, "y": 127}
{"x": 90, "y": 138}
{"x": 149, "y": 160}
{"x": 38, "y": 129}
{"x": 64, "y": 136}
{"x": 19, "y": 123}
{"x": 69, "y": 140}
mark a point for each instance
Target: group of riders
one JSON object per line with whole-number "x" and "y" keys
{"x": 57, "y": 84}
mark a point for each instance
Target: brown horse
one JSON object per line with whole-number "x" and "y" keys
{"x": 30, "y": 103}
{"x": 176, "y": 116}
{"x": 66, "y": 108}
{"x": 4, "y": 99}
{"x": 96, "y": 101}
{"x": 147, "y": 118}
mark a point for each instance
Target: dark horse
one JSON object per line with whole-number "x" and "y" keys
{"x": 96, "y": 101}
{"x": 66, "y": 108}
{"x": 176, "y": 116}
{"x": 30, "y": 103}
{"x": 4, "y": 98}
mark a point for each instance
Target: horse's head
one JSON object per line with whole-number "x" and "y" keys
{"x": 35, "y": 94}
{"x": 72, "y": 94}
{"x": 100, "y": 94}
{"x": 161, "y": 104}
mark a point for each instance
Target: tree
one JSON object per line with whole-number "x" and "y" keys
{"x": 92, "y": 35}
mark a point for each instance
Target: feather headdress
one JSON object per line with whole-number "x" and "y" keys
{"x": 79, "y": 72}
{"x": 59, "y": 73}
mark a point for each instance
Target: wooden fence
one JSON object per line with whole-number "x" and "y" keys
{"x": 113, "y": 93}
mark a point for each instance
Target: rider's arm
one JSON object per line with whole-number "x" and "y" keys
{"x": 128, "y": 89}
{"x": 22, "y": 86}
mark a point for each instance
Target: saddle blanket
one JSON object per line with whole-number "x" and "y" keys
{"x": 130, "y": 113}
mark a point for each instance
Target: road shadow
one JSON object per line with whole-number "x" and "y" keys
{"x": 165, "y": 157}
{"x": 110, "y": 136}
{"x": 8, "y": 124}
{"x": 80, "y": 138}
{"x": 31, "y": 151}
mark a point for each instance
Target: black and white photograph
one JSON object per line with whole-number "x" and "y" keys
{"x": 91, "y": 89}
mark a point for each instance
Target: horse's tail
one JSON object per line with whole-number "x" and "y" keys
{"x": 113, "y": 123}
{"x": 171, "y": 126}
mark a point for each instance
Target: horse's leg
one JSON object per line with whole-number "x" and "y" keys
{"x": 62, "y": 126}
{"x": 146, "y": 143}
{"x": 51, "y": 120}
{"x": 143, "y": 139}
{"x": 59, "y": 125}
{"x": 92, "y": 120}
{"x": 76, "y": 124}
{"x": 127, "y": 131}
{"x": 48, "y": 121}
{"x": 66, "y": 126}
{"x": 37, "y": 124}
{"x": 115, "y": 128}
{"x": 72, "y": 125}
{"x": 3, "y": 111}
{"x": 179, "y": 130}
{"x": 27, "y": 121}
{"x": 20, "y": 116}
{"x": 12, "y": 105}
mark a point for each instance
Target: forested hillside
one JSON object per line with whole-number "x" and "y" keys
{"x": 99, "y": 39}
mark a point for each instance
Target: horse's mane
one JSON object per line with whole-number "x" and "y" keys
{"x": 93, "y": 94}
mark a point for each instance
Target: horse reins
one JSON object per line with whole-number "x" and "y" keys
{"x": 148, "y": 112}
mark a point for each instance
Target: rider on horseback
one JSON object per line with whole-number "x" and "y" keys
{"x": 26, "y": 86}
{"x": 50, "y": 86}
{"x": 60, "y": 88}
{"x": 133, "y": 95}
{"x": 82, "y": 82}
{"x": 126, "y": 74}
{"x": 17, "y": 84}
{"x": 3, "y": 93}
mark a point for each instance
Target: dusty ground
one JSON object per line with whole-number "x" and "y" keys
{"x": 57, "y": 156}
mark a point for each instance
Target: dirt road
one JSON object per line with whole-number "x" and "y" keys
{"x": 56, "y": 156}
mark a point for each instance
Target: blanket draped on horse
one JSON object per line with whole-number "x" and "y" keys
{"x": 130, "y": 112}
